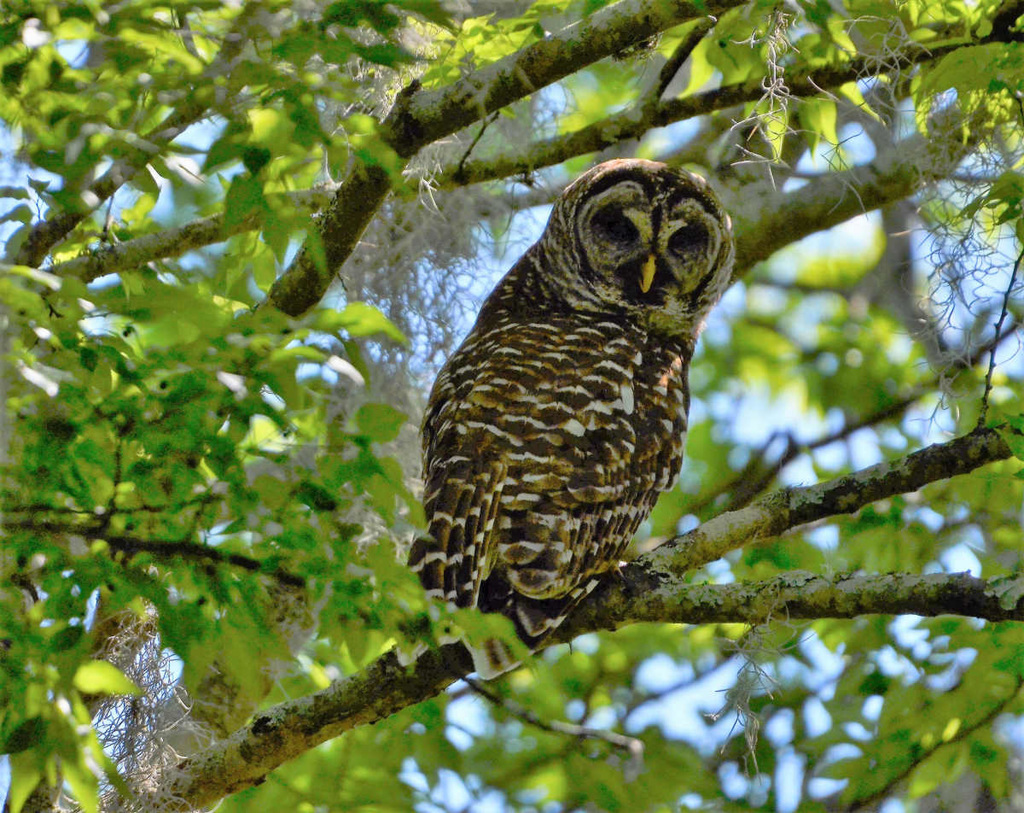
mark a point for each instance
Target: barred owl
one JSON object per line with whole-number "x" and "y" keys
{"x": 551, "y": 431}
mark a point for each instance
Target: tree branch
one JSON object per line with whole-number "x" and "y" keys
{"x": 789, "y": 508}
{"x": 421, "y": 117}
{"x": 779, "y": 217}
{"x": 977, "y": 718}
{"x": 134, "y": 253}
{"x": 633, "y": 747}
{"x": 803, "y": 595}
{"x": 162, "y": 549}
{"x": 761, "y": 227}
{"x": 765, "y": 220}
{"x": 289, "y": 729}
{"x": 643, "y": 116}
{"x": 759, "y": 472}
{"x": 653, "y": 588}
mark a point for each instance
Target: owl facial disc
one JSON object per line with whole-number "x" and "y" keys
{"x": 642, "y": 240}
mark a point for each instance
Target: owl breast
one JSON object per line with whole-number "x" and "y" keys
{"x": 546, "y": 445}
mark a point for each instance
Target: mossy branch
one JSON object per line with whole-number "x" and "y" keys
{"x": 634, "y": 122}
{"x": 765, "y": 219}
{"x": 173, "y": 242}
{"x": 421, "y": 117}
{"x": 654, "y": 588}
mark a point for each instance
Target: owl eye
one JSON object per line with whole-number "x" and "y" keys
{"x": 613, "y": 225}
{"x": 689, "y": 238}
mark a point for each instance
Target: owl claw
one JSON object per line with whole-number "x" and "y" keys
{"x": 627, "y": 586}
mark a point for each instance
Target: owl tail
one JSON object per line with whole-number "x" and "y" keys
{"x": 490, "y": 659}
{"x": 459, "y": 579}
{"x": 534, "y": 619}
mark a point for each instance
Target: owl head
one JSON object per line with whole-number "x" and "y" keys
{"x": 640, "y": 238}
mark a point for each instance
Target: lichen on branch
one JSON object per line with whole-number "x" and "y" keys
{"x": 652, "y": 589}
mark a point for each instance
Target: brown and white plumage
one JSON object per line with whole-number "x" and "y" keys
{"x": 551, "y": 431}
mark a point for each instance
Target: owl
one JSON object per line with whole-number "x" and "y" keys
{"x": 551, "y": 431}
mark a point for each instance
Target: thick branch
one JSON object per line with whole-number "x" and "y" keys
{"x": 651, "y": 589}
{"x": 421, "y": 117}
{"x": 788, "y": 508}
{"x": 131, "y": 254}
{"x": 797, "y": 594}
{"x": 383, "y": 688}
{"x": 765, "y": 220}
{"x": 641, "y": 117}
{"x": 291, "y": 728}
{"x": 431, "y": 115}
{"x": 632, "y": 123}
{"x": 771, "y": 219}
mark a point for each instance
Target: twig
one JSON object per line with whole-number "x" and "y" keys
{"x": 870, "y": 801}
{"x": 680, "y": 55}
{"x": 476, "y": 140}
{"x": 757, "y": 474}
{"x": 182, "y": 548}
{"x": 999, "y": 327}
{"x": 633, "y": 746}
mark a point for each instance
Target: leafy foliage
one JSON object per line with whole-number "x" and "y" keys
{"x": 192, "y": 479}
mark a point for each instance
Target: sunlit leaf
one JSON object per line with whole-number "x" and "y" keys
{"x": 101, "y": 677}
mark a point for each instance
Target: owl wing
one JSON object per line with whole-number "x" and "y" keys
{"x": 536, "y": 473}
{"x": 462, "y": 501}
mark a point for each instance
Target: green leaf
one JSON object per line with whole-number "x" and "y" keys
{"x": 1013, "y": 434}
{"x": 27, "y": 734}
{"x": 67, "y": 637}
{"x": 228, "y": 147}
{"x": 818, "y": 118}
{"x": 83, "y": 782}
{"x": 26, "y": 773}
{"x": 987, "y": 68}
{"x": 358, "y": 319}
{"x": 1009, "y": 591}
{"x": 255, "y": 158}
{"x": 101, "y": 677}
{"x": 244, "y": 200}
{"x": 15, "y": 192}
{"x": 380, "y": 422}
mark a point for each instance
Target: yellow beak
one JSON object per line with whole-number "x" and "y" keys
{"x": 648, "y": 275}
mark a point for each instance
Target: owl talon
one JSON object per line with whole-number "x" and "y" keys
{"x": 625, "y": 584}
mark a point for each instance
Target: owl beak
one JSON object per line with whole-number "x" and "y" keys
{"x": 647, "y": 277}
